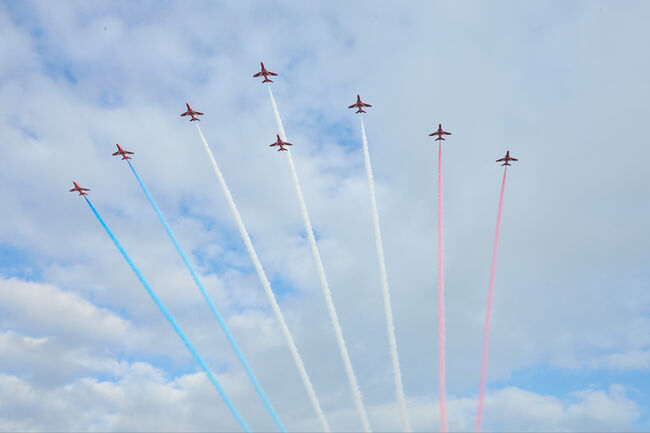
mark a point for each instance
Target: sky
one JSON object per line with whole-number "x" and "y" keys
{"x": 562, "y": 85}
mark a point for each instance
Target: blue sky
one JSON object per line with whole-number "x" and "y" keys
{"x": 563, "y": 86}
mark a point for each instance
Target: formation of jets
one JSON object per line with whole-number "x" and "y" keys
{"x": 280, "y": 143}
{"x": 359, "y": 104}
{"x": 506, "y": 159}
{"x": 125, "y": 153}
{"x": 192, "y": 113}
{"x": 266, "y": 74}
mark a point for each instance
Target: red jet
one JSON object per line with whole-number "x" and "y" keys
{"x": 79, "y": 189}
{"x": 125, "y": 153}
{"x": 266, "y": 74}
{"x": 507, "y": 158}
{"x": 359, "y": 105}
{"x": 280, "y": 143}
{"x": 440, "y": 133}
{"x": 192, "y": 113}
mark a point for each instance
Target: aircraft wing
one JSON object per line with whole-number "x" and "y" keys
{"x": 446, "y": 133}
{"x": 198, "y": 113}
{"x": 514, "y": 159}
{"x": 185, "y": 114}
{"x": 117, "y": 153}
{"x": 366, "y": 105}
{"x": 352, "y": 106}
{"x": 499, "y": 160}
{"x": 272, "y": 73}
{"x": 258, "y": 74}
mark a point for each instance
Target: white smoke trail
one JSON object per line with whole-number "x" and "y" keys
{"x": 267, "y": 288}
{"x": 397, "y": 374}
{"x": 356, "y": 393}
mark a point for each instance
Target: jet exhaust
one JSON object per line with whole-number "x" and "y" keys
{"x": 392, "y": 341}
{"x": 441, "y": 302}
{"x": 354, "y": 386}
{"x": 486, "y": 336}
{"x": 211, "y": 304}
{"x": 267, "y": 286}
{"x": 171, "y": 320}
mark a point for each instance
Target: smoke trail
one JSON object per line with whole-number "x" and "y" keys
{"x": 397, "y": 374}
{"x": 213, "y": 307}
{"x": 356, "y": 393}
{"x": 441, "y": 301}
{"x": 486, "y": 336}
{"x": 171, "y": 320}
{"x": 267, "y": 288}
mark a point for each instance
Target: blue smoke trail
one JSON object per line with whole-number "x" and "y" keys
{"x": 213, "y": 307}
{"x": 169, "y": 317}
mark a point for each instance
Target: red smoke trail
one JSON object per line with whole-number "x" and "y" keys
{"x": 486, "y": 337}
{"x": 441, "y": 301}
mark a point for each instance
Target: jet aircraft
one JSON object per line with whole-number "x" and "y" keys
{"x": 359, "y": 105}
{"x": 191, "y": 113}
{"x": 440, "y": 133}
{"x": 125, "y": 153}
{"x": 265, "y": 73}
{"x": 79, "y": 189}
{"x": 280, "y": 143}
{"x": 507, "y": 158}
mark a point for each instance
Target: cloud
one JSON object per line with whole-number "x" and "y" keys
{"x": 141, "y": 400}
{"x": 144, "y": 398}
{"x": 46, "y": 309}
{"x": 629, "y": 360}
{"x": 513, "y": 409}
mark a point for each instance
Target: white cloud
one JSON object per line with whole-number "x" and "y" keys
{"x": 50, "y": 311}
{"x": 629, "y": 360}
{"x": 143, "y": 398}
{"x": 514, "y": 409}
